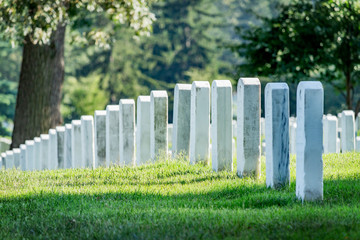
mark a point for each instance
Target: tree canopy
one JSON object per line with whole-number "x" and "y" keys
{"x": 307, "y": 40}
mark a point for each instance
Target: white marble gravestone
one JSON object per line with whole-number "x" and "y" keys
{"x": 60, "y": 133}
{"x": 16, "y": 154}
{"x": 30, "y": 155}
{"x": 248, "y": 125}
{"x": 112, "y": 135}
{"x": 44, "y": 148}
{"x": 23, "y": 163}
{"x": 87, "y": 142}
{"x": 309, "y": 141}
{"x": 221, "y": 127}
{"x": 357, "y": 147}
{"x": 330, "y": 134}
{"x": 37, "y": 153}
{"x": 100, "y": 138}
{"x": 200, "y": 122}
{"x": 127, "y": 131}
{"x": 158, "y": 123}
{"x": 181, "y": 119}
{"x": 143, "y": 130}
{"x": 9, "y": 160}
{"x": 53, "y": 152}
{"x": 67, "y": 146}
{"x": 277, "y": 134}
{"x": 76, "y": 144}
{"x": 292, "y": 137}
{"x": 347, "y": 131}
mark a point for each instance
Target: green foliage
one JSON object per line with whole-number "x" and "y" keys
{"x": 82, "y": 97}
{"x": 175, "y": 200}
{"x": 8, "y": 91}
{"x": 307, "y": 40}
{"x": 36, "y": 20}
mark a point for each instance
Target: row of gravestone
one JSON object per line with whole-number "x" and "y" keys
{"x": 108, "y": 138}
{"x": 336, "y": 139}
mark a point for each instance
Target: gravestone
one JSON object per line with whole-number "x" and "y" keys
{"x": 200, "y": 122}
{"x": 53, "y": 154}
{"x": 100, "y": 138}
{"x": 30, "y": 155}
{"x": 330, "y": 134}
{"x": 357, "y": 147}
{"x": 248, "y": 124}
{"x": 143, "y": 130}
{"x": 127, "y": 132}
{"x": 347, "y": 131}
{"x": 277, "y": 134}
{"x": 44, "y": 148}
{"x": 16, "y": 154}
{"x": 87, "y": 142}
{"x": 4, "y": 144}
{"x": 221, "y": 127}
{"x": 37, "y": 153}
{"x": 158, "y": 123}
{"x": 60, "y": 131}
{"x": 23, "y": 163}
{"x": 9, "y": 159}
{"x": 3, "y": 160}
{"x": 309, "y": 144}
{"x": 181, "y": 119}
{"x": 76, "y": 144}
{"x": 67, "y": 146}
{"x": 112, "y": 135}
{"x": 292, "y": 137}
{"x": 262, "y": 127}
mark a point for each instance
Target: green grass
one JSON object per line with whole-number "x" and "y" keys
{"x": 174, "y": 200}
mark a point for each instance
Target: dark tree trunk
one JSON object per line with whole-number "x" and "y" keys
{"x": 349, "y": 89}
{"x": 39, "y": 93}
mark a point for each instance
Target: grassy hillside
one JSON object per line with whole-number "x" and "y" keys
{"x": 173, "y": 200}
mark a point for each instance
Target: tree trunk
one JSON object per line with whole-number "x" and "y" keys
{"x": 349, "y": 89}
{"x": 39, "y": 93}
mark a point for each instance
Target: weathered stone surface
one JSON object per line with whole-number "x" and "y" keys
{"x": 127, "y": 132}
{"x": 9, "y": 160}
{"x": 347, "y": 131}
{"x": 60, "y": 131}
{"x": 309, "y": 141}
{"x": 37, "y": 153}
{"x": 277, "y": 134}
{"x": 112, "y": 135}
{"x": 16, "y": 154}
{"x": 143, "y": 130}
{"x": 181, "y": 119}
{"x": 4, "y": 144}
{"x": 44, "y": 148}
{"x": 330, "y": 134}
{"x": 23, "y": 162}
{"x": 158, "y": 123}
{"x": 200, "y": 122}
{"x": 30, "y": 155}
{"x": 221, "y": 127}
{"x": 248, "y": 127}
{"x": 87, "y": 142}
{"x": 76, "y": 145}
{"x": 68, "y": 146}
{"x": 100, "y": 138}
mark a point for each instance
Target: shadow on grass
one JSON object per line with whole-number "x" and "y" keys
{"x": 231, "y": 211}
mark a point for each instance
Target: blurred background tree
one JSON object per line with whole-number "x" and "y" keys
{"x": 191, "y": 40}
{"x": 40, "y": 27}
{"x": 307, "y": 40}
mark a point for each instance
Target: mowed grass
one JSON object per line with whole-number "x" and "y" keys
{"x": 175, "y": 200}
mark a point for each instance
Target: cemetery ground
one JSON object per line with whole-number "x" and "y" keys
{"x": 174, "y": 200}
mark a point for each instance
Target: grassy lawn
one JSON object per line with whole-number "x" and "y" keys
{"x": 174, "y": 200}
